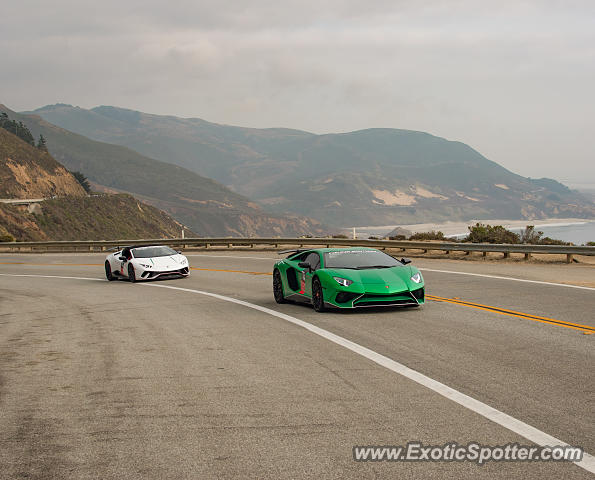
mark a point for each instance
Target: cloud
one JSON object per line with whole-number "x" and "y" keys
{"x": 511, "y": 78}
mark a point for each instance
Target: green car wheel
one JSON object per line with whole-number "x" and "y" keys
{"x": 278, "y": 287}
{"x": 317, "y": 296}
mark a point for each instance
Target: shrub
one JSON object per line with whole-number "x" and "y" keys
{"x": 340, "y": 235}
{"x": 428, "y": 236}
{"x": 398, "y": 237}
{"x": 590, "y": 244}
{"x": 6, "y": 238}
{"x": 530, "y": 236}
{"x": 552, "y": 241}
{"x": 480, "y": 233}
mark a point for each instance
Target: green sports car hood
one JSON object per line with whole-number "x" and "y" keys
{"x": 397, "y": 278}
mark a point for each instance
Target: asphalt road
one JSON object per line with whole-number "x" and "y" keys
{"x": 116, "y": 380}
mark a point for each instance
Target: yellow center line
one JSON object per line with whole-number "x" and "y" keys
{"x": 586, "y": 329}
{"x": 230, "y": 271}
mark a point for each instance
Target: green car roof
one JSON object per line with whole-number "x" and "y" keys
{"x": 336, "y": 249}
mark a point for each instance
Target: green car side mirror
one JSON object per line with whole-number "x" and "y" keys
{"x": 305, "y": 265}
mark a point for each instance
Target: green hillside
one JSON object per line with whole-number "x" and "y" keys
{"x": 101, "y": 217}
{"x": 205, "y": 206}
{"x": 67, "y": 213}
{"x": 368, "y": 177}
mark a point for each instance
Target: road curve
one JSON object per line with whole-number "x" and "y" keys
{"x": 116, "y": 380}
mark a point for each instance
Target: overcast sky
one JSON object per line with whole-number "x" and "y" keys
{"x": 513, "y": 79}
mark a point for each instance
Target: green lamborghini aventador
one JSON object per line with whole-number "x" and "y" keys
{"x": 347, "y": 278}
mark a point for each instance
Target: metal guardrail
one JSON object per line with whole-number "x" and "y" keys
{"x": 102, "y": 245}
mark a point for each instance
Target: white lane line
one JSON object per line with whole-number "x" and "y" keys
{"x": 506, "y": 278}
{"x": 501, "y": 418}
{"x": 514, "y": 425}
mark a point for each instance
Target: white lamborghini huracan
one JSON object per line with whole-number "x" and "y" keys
{"x": 146, "y": 263}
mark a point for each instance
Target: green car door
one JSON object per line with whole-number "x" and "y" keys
{"x": 306, "y": 273}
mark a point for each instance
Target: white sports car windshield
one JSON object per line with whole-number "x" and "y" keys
{"x": 359, "y": 259}
{"x": 150, "y": 252}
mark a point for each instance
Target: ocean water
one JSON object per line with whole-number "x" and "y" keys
{"x": 577, "y": 234}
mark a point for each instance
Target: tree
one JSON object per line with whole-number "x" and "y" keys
{"x": 19, "y": 129}
{"x": 25, "y": 134}
{"x": 82, "y": 180}
{"x": 41, "y": 143}
{"x": 530, "y": 236}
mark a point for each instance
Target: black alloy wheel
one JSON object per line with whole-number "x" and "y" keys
{"x": 317, "y": 296}
{"x": 131, "y": 273}
{"x": 108, "y": 272}
{"x": 278, "y": 287}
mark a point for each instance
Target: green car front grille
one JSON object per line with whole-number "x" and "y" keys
{"x": 371, "y": 300}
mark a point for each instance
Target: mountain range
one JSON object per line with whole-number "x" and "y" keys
{"x": 369, "y": 177}
{"x": 203, "y": 205}
{"x": 28, "y": 172}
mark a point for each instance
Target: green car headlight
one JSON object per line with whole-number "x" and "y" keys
{"x": 417, "y": 278}
{"x": 343, "y": 281}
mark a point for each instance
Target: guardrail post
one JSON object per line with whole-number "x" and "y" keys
{"x": 484, "y": 254}
{"x": 468, "y": 252}
{"x": 569, "y": 257}
{"x": 506, "y": 254}
{"x": 207, "y": 245}
{"x": 527, "y": 256}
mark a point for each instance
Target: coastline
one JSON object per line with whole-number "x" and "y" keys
{"x": 460, "y": 228}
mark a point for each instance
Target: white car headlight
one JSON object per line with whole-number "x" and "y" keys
{"x": 343, "y": 281}
{"x": 417, "y": 278}
{"x": 145, "y": 265}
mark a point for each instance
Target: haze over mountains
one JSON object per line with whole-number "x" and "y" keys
{"x": 367, "y": 177}
{"x": 203, "y": 205}
{"x": 28, "y": 172}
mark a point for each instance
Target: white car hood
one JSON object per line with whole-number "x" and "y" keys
{"x": 173, "y": 262}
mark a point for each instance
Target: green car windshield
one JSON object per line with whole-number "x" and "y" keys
{"x": 359, "y": 259}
